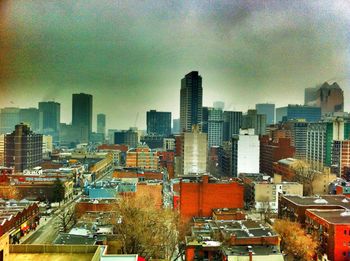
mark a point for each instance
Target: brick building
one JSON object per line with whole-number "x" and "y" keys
{"x": 142, "y": 157}
{"x": 332, "y": 228}
{"x": 200, "y": 195}
{"x": 273, "y": 151}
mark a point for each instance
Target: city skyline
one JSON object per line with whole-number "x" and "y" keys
{"x": 136, "y": 53}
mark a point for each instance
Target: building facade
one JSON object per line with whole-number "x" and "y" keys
{"x": 50, "y": 117}
{"x": 142, "y": 157}
{"x": 215, "y": 127}
{"x": 158, "y": 123}
{"x": 31, "y": 117}
{"x": 191, "y": 95}
{"x": 268, "y": 109}
{"x": 298, "y": 112}
{"x": 253, "y": 120}
{"x": 9, "y": 118}
{"x": 23, "y": 148}
{"x": 232, "y": 124}
{"x": 126, "y": 137}
{"x": 101, "y": 123}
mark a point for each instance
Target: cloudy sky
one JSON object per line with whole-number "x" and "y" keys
{"x": 131, "y": 55}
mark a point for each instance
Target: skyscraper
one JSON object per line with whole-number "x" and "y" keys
{"x": 191, "y": 95}
{"x": 101, "y": 123}
{"x": 158, "y": 122}
{"x": 176, "y": 126}
{"x": 82, "y": 115}
{"x": 232, "y": 123}
{"x": 23, "y": 148}
{"x": 31, "y": 117}
{"x": 9, "y": 117}
{"x": 253, "y": 120}
{"x": 268, "y": 109}
{"x": 215, "y": 127}
{"x": 329, "y": 97}
{"x": 50, "y": 113}
{"x": 298, "y": 112}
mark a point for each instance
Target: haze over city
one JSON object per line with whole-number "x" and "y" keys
{"x": 131, "y": 55}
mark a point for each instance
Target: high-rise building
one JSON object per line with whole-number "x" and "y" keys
{"x": 232, "y": 124}
{"x": 194, "y": 152}
{"x": 50, "y": 117}
{"x": 329, "y": 97}
{"x": 158, "y": 123}
{"x": 176, "y": 126}
{"x": 320, "y": 137}
{"x": 82, "y": 115}
{"x": 191, "y": 95}
{"x": 299, "y": 138}
{"x": 23, "y": 148}
{"x": 298, "y": 112}
{"x": 126, "y": 137}
{"x": 31, "y": 117}
{"x": 215, "y": 127}
{"x": 268, "y": 109}
{"x": 2, "y": 149}
{"x": 205, "y": 118}
{"x": 245, "y": 152}
{"x": 101, "y": 123}
{"x": 9, "y": 117}
{"x": 253, "y": 120}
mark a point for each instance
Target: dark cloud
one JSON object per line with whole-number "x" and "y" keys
{"x": 131, "y": 55}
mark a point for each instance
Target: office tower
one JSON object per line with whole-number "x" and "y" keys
{"x": 176, "y": 126}
{"x": 205, "y": 117}
{"x": 23, "y": 148}
{"x": 9, "y": 117}
{"x": 320, "y": 137}
{"x": 225, "y": 158}
{"x": 215, "y": 127}
{"x": 101, "y": 123}
{"x": 50, "y": 113}
{"x": 232, "y": 124}
{"x": 253, "y": 120}
{"x": 69, "y": 136}
{"x": 110, "y": 135}
{"x": 329, "y": 97}
{"x": 298, "y": 112}
{"x": 194, "y": 152}
{"x": 82, "y": 115}
{"x": 126, "y": 137}
{"x": 191, "y": 101}
{"x": 245, "y": 152}
{"x": 31, "y": 117}
{"x": 299, "y": 138}
{"x": 268, "y": 109}
{"x": 158, "y": 123}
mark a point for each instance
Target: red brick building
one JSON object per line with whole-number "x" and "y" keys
{"x": 272, "y": 151}
{"x": 101, "y": 205}
{"x": 166, "y": 160}
{"x": 199, "y": 197}
{"x": 332, "y": 228}
{"x": 284, "y": 168}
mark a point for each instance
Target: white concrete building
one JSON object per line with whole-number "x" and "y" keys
{"x": 245, "y": 152}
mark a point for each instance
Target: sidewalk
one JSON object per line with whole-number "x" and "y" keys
{"x": 42, "y": 222}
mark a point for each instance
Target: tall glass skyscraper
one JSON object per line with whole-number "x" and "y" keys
{"x": 82, "y": 115}
{"x": 191, "y": 95}
{"x": 50, "y": 113}
{"x": 158, "y": 122}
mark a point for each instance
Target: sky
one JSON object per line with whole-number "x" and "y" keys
{"x": 131, "y": 55}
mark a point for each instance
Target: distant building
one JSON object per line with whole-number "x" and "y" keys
{"x": 126, "y": 137}
{"x": 194, "y": 152}
{"x": 110, "y": 135}
{"x": 82, "y": 115}
{"x": 2, "y": 149}
{"x": 158, "y": 123}
{"x": 169, "y": 144}
{"x": 341, "y": 157}
{"x": 69, "y": 136}
{"x": 298, "y": 112}
{"x": 253, "y": 120}
{"x": 215, "y": 127}
{"x": 299, "y": 138}
{"x": 47, "y": 144}
{"x": 30, "y": 116}
{"x": 268, "y": 109}
{"x": 329, "y": 97}
{"x": 23, "y": 148}
{"x": 176, "y": 126}
{"x": 9, "y": 118}
{"x": 205, "y": 117}
{"x": 101, "y": 123}
{"x": 153, "y": 141}
{"x": 50, "y": 117}
{"x": 142, "y": 157}
{"x": 191, "y": 96}
{"x": 245, "y": 152}
{"x": 271, "y": 152}
{"x": 232, "y": 124}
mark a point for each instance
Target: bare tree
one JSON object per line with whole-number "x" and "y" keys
{"x": 145, "y": 229}
{"x": 66, "y": 219}
{"x": 305, "y": 174}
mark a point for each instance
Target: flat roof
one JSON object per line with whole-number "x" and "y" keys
{"x": 333, "y": 216}
{"x": 326, "y": 200}
{"x": 51, "y": 256}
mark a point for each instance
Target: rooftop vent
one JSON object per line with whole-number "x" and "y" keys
{"x": 320, "y": 201}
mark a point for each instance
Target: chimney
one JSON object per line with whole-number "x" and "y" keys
{"x": 250, "y": 255}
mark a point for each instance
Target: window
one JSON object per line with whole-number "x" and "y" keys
{"x": 344, "y": 232}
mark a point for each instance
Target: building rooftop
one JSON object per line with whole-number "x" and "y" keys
{"x": 271, "y": 251}
{"x": 334, "y": 216}
{"x": 330, "y": 200}
{"x": 71, "y": 239}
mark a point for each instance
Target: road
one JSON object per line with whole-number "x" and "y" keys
{"x": 47, "y": 233}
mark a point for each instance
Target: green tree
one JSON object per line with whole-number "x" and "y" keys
{"x": 58, "y": 191}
